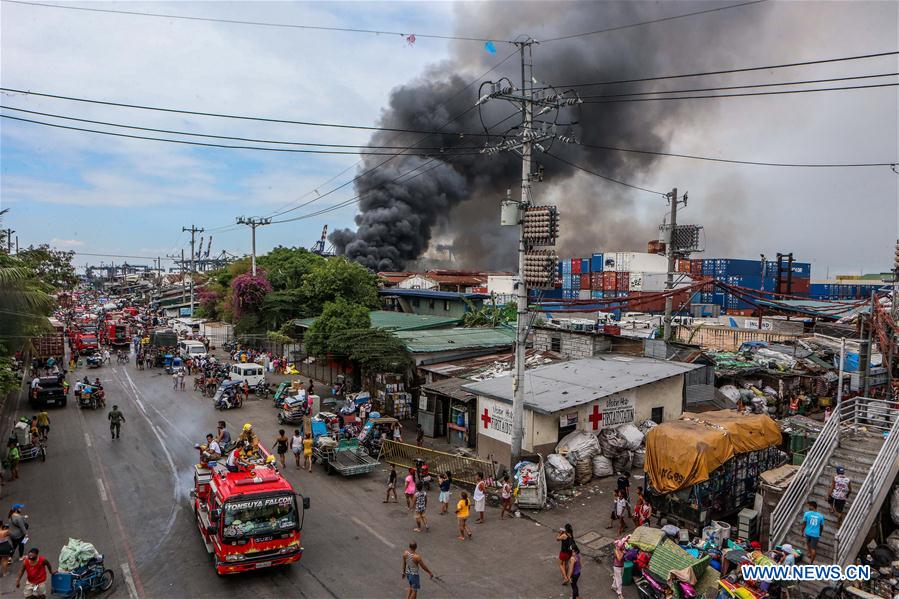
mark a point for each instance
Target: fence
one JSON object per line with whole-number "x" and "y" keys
{"x": 727, "y": 338}
{"x": 463, "y": 468}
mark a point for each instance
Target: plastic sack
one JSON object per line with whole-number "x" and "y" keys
{"x": 76, "y": 554}
{"x": 559, "y": 472}
{"x": 646, "y": 426}
{"x": 639, "y": 458}
{"x": 583, "y": 471}
{"x": 730, "y": 392}
{"x": 894, "y": 506}
{"x": 632, "y": 435}
{"x": 622, "y": 463}
{"x": 611, "y": 443}
{"x": 892, "y": 541}
{"x": 579, "y": 445}
{"x": 602, "y": 466}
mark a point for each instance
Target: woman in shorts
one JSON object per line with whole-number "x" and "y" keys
{"x": 463, "y": 508}
{"x": 505, "y": 498}
{"x": 6, "y": 549}
{"x": 445, "y": 480}
{"x": 296, "y": 446}
{"x": 281, "y": 443}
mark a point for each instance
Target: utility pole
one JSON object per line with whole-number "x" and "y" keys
{"x": 669, "y": 249}
{"x": 193, "y": 232}
{"x": 253, "y": 222}
{"x": 9, "y": 233}
{"x": 762, "y": 286}
{"x": 182, "y": 275}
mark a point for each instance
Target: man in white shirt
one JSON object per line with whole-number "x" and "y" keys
{"x": 211, "y": 451}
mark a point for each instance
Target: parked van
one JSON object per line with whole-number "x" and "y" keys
{"x": 253, "y": 374}
{"x": 191, "y": 349}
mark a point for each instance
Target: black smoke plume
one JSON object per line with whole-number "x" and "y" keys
{"x": 455, "y": 197}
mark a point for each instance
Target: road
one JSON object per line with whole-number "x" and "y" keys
{"x": 130, "y": 498}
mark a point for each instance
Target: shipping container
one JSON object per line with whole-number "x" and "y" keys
{"x": 569, "y": 294}
{"x": 586, "y": 281}
{"x": 622, "y": 281}
{"x": 575, "y": 266}
{"x": 575, "y": 281}
{"x": 585, "y": 265}
{"x": 596, "y": 280}
{"x": 708, "y": 267}
{"x": 635, "y": 261}
{"x": 596, "y": 264}
{"x": 609, "y": 280}
{"x": 566, "y": 281}
{"x": 566, "y": 266}
{"x": 655, "y": 247}
{"x": 635, "y": 281}
{"x": 583, "y": 294}
{"x": 696, "y": 267}
{"x": 596, "y": 294}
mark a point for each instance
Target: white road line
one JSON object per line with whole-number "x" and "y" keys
{"x": 102, "y": 489}
{"x": 126, "y": 572}
{"x": 375, "y": 533}
{"x": 87, "y": 440}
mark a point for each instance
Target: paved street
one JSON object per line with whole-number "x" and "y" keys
{"x": 130, "y": 498}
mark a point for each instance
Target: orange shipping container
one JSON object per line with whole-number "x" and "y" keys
{"x": 585, "y": 281}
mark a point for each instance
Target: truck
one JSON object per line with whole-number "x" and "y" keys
{"x": 250, "y": 518}
{"x": 50, "y": 391}
{"x": 116, "y": 333}
{"x": 52, "y": 343}
{"x": 164, "y": 338}
{"x": 85, "y": 343}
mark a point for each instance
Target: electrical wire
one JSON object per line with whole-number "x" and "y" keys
{"x": 226, "y": 137}
{"x": 733, "y": 161}
{"x": 710, "y": 89}
{"x": 121, "y": 256}
{"x": 734, "y": 70}
{"x": 210, "y": 145}
{"x": 601, "y": 176}
{"x": 226, "y": 116}
{"x": 652, "y": 21}
{"x": 261, "y": 23}
{"x": 743, "y": 95}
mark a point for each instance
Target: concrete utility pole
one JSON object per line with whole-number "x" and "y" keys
{"x": 253, "y": 222}
{"x": 193, "y": 232}
{"x": 9, "y": 233}
{"x": 182, "y": 275}
{"x": 669, "y": 249}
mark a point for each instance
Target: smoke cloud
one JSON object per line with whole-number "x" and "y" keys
{"x": 455, "y": 196}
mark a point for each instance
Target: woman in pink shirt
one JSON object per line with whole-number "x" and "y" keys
{"x": 410, "y": 488}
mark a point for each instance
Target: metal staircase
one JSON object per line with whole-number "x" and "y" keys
{"x": 861, "y": 435}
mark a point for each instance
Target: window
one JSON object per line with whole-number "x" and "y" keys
{"x": 446, "y": 305}
{"x": 555, "y": 343}
{"x": 657, "y": 414}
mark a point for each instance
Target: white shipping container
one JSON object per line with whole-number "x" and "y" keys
{"x": 636, "y": 281}
{"x": 501, "y": 284}
{"x": 638, "y": 262}
{"x": 583, "y": 294}
{"x": 656, "y": 281}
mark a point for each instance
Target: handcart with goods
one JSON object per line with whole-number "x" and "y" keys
{"x": 530, "y": 482}
{"x": 81, "y": 572}
{"x": 349, "y": 459}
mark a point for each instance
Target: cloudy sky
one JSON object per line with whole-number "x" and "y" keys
{"x": 102, "y": 194}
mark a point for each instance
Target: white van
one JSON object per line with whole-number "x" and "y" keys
{"x": 252, "y": 373}
{"x": 191, "y": 349}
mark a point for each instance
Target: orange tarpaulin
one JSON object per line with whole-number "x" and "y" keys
{"x": 683, "y": 452}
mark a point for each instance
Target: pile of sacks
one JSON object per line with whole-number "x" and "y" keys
{"x": 581, "y": 455}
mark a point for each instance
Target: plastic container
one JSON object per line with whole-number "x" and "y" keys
{"x": 627, "y": 574}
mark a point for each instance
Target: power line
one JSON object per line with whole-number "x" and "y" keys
{"x": 227, "y": 116}
{"x": 730, "y": 87}
{"x": 210, "y": 145}
{"x": 731, "y": 70}
{"x": 118, "y": 256}
{"x": 226, "y": 137}
{"x": 262, "y": 23}
{"x": 746, "y": 94}
{"x": 734, "y": 161}
{"x": 592, "y": 172}
{"x": 650, "y": 22}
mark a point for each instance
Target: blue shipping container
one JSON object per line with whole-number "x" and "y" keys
{"x": 566, "y": 266}
{"x": 549, "y": 294}
{"x": 596, "y": 294}
{"x": 585, "y": 266}
{"x": 596, "y": 263}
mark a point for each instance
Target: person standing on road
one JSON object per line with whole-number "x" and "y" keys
{"x": 411, "y": 563}
{"x": 409, "y": 489}
{"x": 421, "y": 504}
{"x": 391, "y": 485}
{"x": 814, "y": 524}
{"x": 574, "y": 570}
{"x": 505, "y": 498}
{"x": 181, "y": 378}
{"x": 175, "y": 380}
{"x": 566, "y": 540}
{"x": 13, "y": 455}
{"x": 480, "y": 498}
{"x": 116, "y": 418}
{"x": 397, "y": 432}
{"x": 618, "y": 568}
{"x": 624, "y": 485}
{"x": 6, "y": 549}
{"x": 462, "y": 510}
{"x": 445, "y": 480}
{"x": 840, "y": 487}
{"x": 622, "y": 510}
{"x": 296, "y": 446}
{"x": 307, "y": 453}
{"x": 35, "y": 568}
{"x": 281, "y": 442}
{"x": 106, "y": 357}
{"x": 18, "y": 529}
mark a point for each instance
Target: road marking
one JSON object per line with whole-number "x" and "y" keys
{"x": 375, "y": 533}
{"x": 100, "y": 486}
{"x": 87, "y": 440}
{"x": 126, "y": 572}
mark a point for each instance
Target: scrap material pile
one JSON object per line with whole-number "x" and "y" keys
{"x": 707, "y": 465}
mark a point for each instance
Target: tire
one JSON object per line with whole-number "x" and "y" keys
{"x": 280, "y": 419}
{"x": 107, "y": 579}
{"x": 42, "y": 451}
{"x": 80, "y": 593}
{"x": 63, "y": 403}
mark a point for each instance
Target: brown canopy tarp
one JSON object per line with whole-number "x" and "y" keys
{"x": 683, "y": 452}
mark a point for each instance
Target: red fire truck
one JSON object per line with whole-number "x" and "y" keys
{"x": 115, "y": 332}
{"x": 85, "y": 343}
{"x": 249, "y": 519}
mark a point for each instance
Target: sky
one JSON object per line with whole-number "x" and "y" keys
{"x": 99, "y": 194}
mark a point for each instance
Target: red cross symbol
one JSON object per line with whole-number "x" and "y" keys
{"x": 595, "y": 417}
{"x": 486, "y": 418}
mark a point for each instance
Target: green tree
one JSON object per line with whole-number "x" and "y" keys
{"x": 53, "y": 267}
{"x": 286, "y": 267}
{"x": 374, "y": 351}
{"x": 339, "y": 278}
{"x": 280, "y": 307}
{"x": 337, "y": 316}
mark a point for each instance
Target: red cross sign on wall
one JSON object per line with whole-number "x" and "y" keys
{"x": 486, "y": 418}
{"x": 595, "y": 417}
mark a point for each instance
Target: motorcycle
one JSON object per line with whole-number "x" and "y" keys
{"x": 94, "y": 361}
{"x": 228, "y": 396}
{"x": 262, "y": 390}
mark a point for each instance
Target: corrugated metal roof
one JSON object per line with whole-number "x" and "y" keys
{"x": 397, "y": 321}
{"x": 451, "y": 387}
{"x": 565, "y": 385}
{"x": 455, "y": 339}
{"x": 428, "y": 294}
